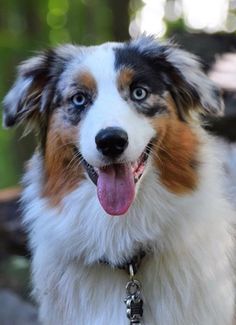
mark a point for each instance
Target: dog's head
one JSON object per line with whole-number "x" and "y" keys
{"x": 110, "y": 109}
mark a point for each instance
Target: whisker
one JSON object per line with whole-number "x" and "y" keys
{"x": 75, "y": 164}
{"x": 64, "y": 145}
{"x": 161, "y": 147}
{"x": 75, "y": 159}
{"x": 155, "y": 155}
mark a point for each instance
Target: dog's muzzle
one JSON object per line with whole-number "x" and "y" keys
{"x": 116, "y": 181}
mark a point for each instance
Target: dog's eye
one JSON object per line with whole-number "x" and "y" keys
{"x": 79, "y": 100}
{"x": 139, "y": 94}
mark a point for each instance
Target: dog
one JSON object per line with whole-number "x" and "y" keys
{"x": 124, "y": 191}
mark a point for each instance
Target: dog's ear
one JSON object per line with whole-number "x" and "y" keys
{"x": 32, "y": 91}
{"x": 190, "y": 88}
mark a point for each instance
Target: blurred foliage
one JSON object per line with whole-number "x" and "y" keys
{"x": 15, "y": 275}
{"x": 174, "y": 26}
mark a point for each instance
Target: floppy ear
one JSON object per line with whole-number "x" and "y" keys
{"x": 32, "y": 91}
{"x": 190, "y": 88}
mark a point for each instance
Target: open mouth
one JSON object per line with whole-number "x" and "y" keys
{"x": 116, "y": 182}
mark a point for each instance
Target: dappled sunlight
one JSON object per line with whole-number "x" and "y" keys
{"x": 149, "y": 19}
{"x": 208, "y": 15}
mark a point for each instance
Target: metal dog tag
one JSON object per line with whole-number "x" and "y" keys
{"x": 133, "y": 301}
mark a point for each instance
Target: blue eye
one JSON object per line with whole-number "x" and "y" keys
{"x": 139, "y": 94}
{"x": 79, "y": 100}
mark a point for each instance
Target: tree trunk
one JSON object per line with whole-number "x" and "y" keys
{"x": 120, "y": 19}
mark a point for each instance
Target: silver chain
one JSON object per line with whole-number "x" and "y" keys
{"x": 133, "y": 300}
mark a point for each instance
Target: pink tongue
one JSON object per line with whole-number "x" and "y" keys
{"x": 115, "y": 188}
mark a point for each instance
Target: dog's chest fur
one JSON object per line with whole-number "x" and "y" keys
{"x": 186, "y": 278}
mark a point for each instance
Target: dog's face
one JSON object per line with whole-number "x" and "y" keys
{"x": 108, "y": 110}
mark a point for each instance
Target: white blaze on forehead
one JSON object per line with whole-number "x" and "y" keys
{"x": 97, "y": 60}
{"x": 110, "y": 110}
{"x": 101, "y": 64}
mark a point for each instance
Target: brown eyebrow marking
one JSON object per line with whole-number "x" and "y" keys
{"x": 125, "y": 78}
{"x": 85, "y": 79}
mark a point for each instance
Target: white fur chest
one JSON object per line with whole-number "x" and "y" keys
{"x": 186, "y": 278}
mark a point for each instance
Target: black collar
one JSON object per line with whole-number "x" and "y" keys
{"x": 135, "y": 262}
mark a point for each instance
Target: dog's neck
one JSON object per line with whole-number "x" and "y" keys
{"x": 134, "y": 262}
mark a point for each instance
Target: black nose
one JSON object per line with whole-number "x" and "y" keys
{"x": 112, "y": 141}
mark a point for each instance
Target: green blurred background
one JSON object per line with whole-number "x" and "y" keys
{"x": 205, "y": 27}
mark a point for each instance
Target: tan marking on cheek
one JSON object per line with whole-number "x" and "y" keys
{"x": 85, "y": 79}
{"x": 125, "y": 78}
{"x": 62, "y": 172}
{"x": 176, "y": 155}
